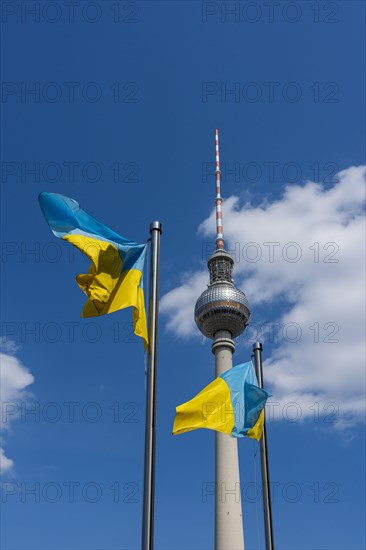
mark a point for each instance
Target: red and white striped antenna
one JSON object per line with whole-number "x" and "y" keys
{"x": 219, "y": 235}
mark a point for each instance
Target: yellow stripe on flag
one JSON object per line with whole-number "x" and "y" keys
{"x": 211, "y": 408}
{"x": 107, "y": 288}
{"x": 256, "y": 431}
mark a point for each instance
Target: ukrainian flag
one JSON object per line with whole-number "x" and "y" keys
{"x": 233, "y": 403}
{"x": 115, "y": 277}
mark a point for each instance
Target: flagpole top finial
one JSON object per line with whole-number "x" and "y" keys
{"x": 156, "y": 225}
{"x": 257, "y": 345}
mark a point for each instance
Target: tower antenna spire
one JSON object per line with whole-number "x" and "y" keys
{"x": 219, "y": 234}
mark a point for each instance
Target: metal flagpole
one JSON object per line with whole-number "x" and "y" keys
{"x": 150, "y": 427}
{"x": 267, "y": 507}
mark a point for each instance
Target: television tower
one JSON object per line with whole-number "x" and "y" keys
{"x": 222, "y": 313}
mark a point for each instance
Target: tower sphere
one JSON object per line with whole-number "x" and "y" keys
{"x": 221, "y": 306}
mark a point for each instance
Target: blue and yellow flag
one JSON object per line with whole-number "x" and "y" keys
{"x": 233, "y": 403}
{"x": 115, "y": 277}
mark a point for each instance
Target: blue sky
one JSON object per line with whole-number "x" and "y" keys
{"x": 126, "y": 98}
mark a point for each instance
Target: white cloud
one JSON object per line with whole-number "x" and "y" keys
{"x": 322, "y": 292}
{"x": 6, "y": 464}
{"x": 14, "y": 378}
{"x": 8, "y": 346}
{"x": 178, "y": 304}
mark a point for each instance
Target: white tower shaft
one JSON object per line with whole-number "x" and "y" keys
{"x": 229, "y": 533}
